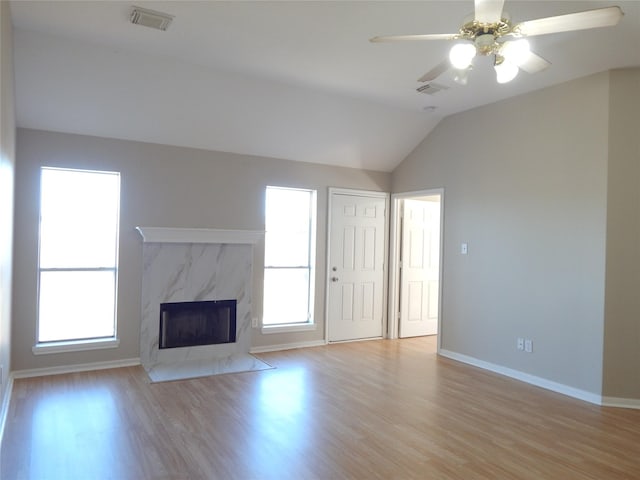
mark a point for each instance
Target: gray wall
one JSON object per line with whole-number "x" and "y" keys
{"x": 622, "y": 305}
{"x": 7, "y": 162}
{"x": 162, "y": 186}
{"x": 526, "y": 187}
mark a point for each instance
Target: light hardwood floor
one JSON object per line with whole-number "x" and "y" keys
{"x": 377, "y": 409}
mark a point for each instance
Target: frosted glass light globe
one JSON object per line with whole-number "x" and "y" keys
{"x": 516, "y": 51}
{"x": 506, "y": 71}
{"x": 461, "y": 55}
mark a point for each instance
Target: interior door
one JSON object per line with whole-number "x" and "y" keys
{"x": 420, "y": 259}
{"x": 356, "y": 267}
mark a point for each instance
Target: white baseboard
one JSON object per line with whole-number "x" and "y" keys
{"x": 288, "y": 346}
{"x": 82, "y": 367}
{"x": 4, "y": 408}
{"x": 525, "y": 377}
{"x": 621, "y": 402}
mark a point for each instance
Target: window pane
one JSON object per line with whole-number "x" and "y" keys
{"x": 286, "y": 296}
{"x": 288, "y": 208}
{"x": 78, "y": 218}
{"x": 287, "y": 227}
{"x": 286, "y": 249}
{"x": 76, "y": 305}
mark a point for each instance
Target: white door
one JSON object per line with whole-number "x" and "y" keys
{"x": 356, "y": 267}
{"x": 419, "y": 271}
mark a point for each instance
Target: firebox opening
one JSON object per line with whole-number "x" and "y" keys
{"x": 189, "y": 324}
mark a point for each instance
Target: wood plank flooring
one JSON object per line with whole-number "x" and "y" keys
{"x": 386, "y": 409}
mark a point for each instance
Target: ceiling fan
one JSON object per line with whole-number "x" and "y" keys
{"x": 490, "y": 32}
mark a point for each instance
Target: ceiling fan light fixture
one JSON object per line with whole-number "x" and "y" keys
{"x": 505, "y": 70}
{"x": 461, "y": 55}
{"x": 489, "y": 31}
{"x": 516, "y": 51}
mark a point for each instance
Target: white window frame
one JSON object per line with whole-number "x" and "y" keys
{"x": 310, "y": 323}
{"x": 84, "y": 343}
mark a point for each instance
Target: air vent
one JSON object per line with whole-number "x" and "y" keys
{"x": 150, "y": 18}
{"x": 431, "y": 88}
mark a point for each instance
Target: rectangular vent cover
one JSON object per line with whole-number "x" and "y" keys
{"x": 431, "y": 88}
{"x": 150, "y": 18}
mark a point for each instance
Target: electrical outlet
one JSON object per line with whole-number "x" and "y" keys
{"x": 254, "y": 322}
{"x": 528, "y": 345}
{"x": 520, "y": 344}
{"x": 464, "y": 249}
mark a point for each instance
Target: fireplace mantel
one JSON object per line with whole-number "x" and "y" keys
{"x": 199, "y": 235}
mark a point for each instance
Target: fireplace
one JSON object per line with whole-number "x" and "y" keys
{"x": 180, "y": 265}
{"x": 190, "y": 324}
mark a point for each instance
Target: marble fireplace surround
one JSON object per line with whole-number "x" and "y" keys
{"x": 195, "y": 264}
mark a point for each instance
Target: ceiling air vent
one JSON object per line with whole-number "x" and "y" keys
{"x": 150, "y": 18}
{"x": 431, "y": 88}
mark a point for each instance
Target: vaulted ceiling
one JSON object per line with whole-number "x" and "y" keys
{"x": 293, "y": 80}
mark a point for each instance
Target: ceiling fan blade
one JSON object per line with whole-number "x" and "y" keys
{"x": 533, "y": 63}
{"x": 601, "y": 17}
{"x": 435, "y": 72}
{"x": 488, "y": 11}
{"x": 403, "y": 38}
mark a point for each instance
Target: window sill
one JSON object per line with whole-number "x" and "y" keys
{"x": 75, "y": 346}
{"x": 289, "y": 328}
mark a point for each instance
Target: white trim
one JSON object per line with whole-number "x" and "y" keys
{"x": 288, "y": 346}
{"x": 353, "y": 340}
{"x": 394, "y": 259}
{"x": 394, "y": 277}
{"x": 621, "y": 402}
{"x": 199, "y": 235}
{"x": 4, "y": 411}
{"x": 357, "y": 193}
{"x": 302, "y": 327}
{"x": 81, "y": 367}
{"x": 74, "y": 346}
{"x": 525, "y": 377}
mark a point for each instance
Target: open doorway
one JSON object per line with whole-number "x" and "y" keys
{"x": 416, "y": 264}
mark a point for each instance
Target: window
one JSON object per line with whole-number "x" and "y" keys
{"x": 78, "y": 254}
{"x": 289, "y": 256}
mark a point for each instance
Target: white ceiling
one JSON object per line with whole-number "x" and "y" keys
{"x": 295, "y": 80}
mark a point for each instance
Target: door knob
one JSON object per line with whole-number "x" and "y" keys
{"x": 334, "y": 279}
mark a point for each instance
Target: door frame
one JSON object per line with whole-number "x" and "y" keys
{"x": 394, "y": 259}
{"x": 385, "y": 286}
